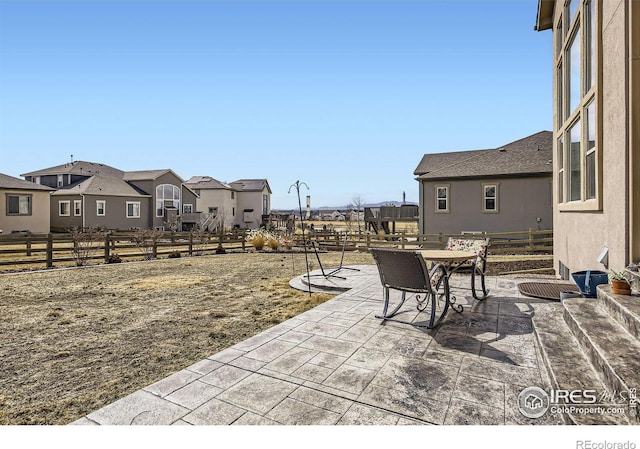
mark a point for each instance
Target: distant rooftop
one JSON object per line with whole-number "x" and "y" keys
{"x": 77, "y": 168}
{"x": 251, "y": 185}
{"x": 9, "y": 182}
{"x": 206, "y": 182}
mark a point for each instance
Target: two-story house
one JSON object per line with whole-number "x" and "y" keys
{"x": 89, "y": 194}
{"x": 243, "y": 203}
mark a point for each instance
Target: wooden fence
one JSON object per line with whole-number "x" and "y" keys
{"x": 50, "y": 249}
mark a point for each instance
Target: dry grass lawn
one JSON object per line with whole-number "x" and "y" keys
{"x": 75, "y": 340}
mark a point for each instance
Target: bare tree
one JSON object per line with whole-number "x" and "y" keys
{"x": 85, "y": 243}
{"x": 358, "y": 203}
{"x": 145, "y": 241}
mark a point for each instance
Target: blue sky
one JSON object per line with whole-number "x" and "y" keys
{"x": 344, "y": 95}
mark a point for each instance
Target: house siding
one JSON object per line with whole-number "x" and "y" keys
{"x": 39, "y": 220}
{"x": 521, "y": 201}
{"x": 252, "y": 200}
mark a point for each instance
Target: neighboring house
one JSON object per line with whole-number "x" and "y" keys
{"x": 89, "y": 194}
{"x": 244, "y": 203}
{"x": 215, "y": 200}
{"x": 170, "y": 198}
{"x": 596, "y": 98}
{"x": 24, "y": 206}
{"x": 254, "y": 201}
{"x": 496, "y": 190}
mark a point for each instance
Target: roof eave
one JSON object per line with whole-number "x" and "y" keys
{"x": 544, "y": 19}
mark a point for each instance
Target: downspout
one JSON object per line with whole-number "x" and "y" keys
{"x": 84, "y": 224}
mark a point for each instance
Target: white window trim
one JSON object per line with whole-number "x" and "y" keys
{"x": 184, "y": 207}
{"x": 448, "y": 198}
{"x": 485, "y": 198}
{"x": 68, "y": 203}
{"x": 127, "y": 209}
{"x": 77, "y": 203}
{"x": 104, "y": 208}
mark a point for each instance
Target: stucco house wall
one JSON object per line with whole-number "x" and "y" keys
{"x": 612, "y": 220}
{"x": 38, "y": 221}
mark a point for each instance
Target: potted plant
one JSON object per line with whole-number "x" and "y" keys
{"x": 619, "y": 284}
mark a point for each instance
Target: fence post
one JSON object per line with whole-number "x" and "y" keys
{"x": 368, "y": 241}
{"x": 403, "y": 237}
{"x": 107, "y": 247}
{"x": 154, "y": 253}
{"x": 531, "y": 240}
{"x": 190, "y": 243}
{"x": 49, "y": 250}
{"x": 243, "y": 238}
{"x": 440, "y": 240}
{"x": 28, "y": 243}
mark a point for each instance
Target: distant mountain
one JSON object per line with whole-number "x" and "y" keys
{"x": 347, "y": 207}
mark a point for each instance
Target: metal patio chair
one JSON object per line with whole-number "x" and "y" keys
{"x": 477, "y": 266}
{"x": 407, "y": 272}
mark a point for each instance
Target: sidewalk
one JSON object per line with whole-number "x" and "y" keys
{"x": 338, "y": 364}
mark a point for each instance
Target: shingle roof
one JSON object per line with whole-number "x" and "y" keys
{"x": 530, "y": 155}
{"x": 101, "y": 185}
{"x": 9, "y": 182}
{"x": 206, "y": 182}
{"x": 144, "y": 175}
{"x": 77, "y": 168}
{"x": 251, "y": 185}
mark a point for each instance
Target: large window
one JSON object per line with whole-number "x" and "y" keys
{"x": 167, "y": 196}
{"x": 442, "y": 199}
{"x": 18, "y": 204}
{"x": 578, "y": 157}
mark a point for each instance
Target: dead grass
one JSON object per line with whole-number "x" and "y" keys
{"x": 75, "y": 340}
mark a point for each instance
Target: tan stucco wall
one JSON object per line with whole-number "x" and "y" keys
{"x": 39, "y": 220}
{"x": 220, "y": 198}
{"x": 251, "y": 200}
{"x": 579, "y": 237}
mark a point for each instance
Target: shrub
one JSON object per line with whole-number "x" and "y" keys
{"x": 114, "y": 258}
{"x": 175, "y": 254}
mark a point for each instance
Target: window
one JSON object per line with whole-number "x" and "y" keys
{"x": 490, "y": 197}
{"x": 64, "y": 208}
{"x": 187, "y": 209}
{"x": 101, "y": 208}
{"x": 233, "y": 195}
{"x": 213, "y": 211}
{"x": 77, "y": 208}
{"x": 442, "y": 199}
{"x": 233, "y": 212}
{"x": 18, "y": 204}
{"x": 578, "y": 155}
{"x": 265, "y": 204}
{"x": 167, "y": 195}
{"x": 133, "y": 209}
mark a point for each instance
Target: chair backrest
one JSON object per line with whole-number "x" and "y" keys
{"x": 478, "y": 246}
{"x": 402, "y": 270}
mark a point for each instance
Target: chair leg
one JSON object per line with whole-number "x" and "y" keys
{"x": 485, "y": 292}
{"x": 433, "y": 322}
{"x": 386, "y": 315}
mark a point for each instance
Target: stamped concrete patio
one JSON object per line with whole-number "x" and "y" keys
{"x": 338, "y": 364}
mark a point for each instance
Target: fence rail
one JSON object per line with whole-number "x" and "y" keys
{"x": 49, "y": 249}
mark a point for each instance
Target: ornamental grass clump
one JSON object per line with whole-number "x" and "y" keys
{"x": 257, "y": 238}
